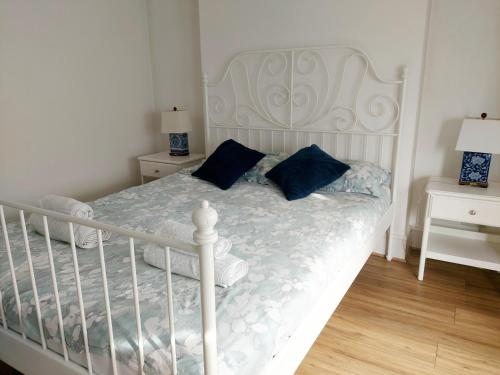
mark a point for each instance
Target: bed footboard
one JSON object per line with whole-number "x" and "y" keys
{"x": 205, "y": 236}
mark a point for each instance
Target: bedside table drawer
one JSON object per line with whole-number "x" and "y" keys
{"x": 152, "y": 169}
{"x": 466, "y": 210}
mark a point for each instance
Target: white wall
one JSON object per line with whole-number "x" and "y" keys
{"x": 462, "y": 79}
{"x": 75, "y": 97}
{"x": 392, "y": 32}
{"x": 82, "y": 70}
{"x": 175, "y": 51}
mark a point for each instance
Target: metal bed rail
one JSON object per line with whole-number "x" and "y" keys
{"x": 205, "y": 236}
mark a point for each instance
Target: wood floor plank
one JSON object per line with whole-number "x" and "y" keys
{"x": 456, "y": 359}
{"x": 403, "y": 324}
{"x": 482, "y": 297}
{"x": 415, "y": 305}
{"x": 467, "y": 346}
{"x": 355, "y": 335}
{"x": 390, "y": 323}
{"x": 484, "y": 319}
{"x": 371, "y": 352}
{"x": 479, "y": 336}
{"x": 325, "y": 361}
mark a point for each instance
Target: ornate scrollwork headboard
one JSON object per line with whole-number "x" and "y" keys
{"x": 285, "y": 99}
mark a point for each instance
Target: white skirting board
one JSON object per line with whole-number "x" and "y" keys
{"x": 399, "y": 250}
{"x": 399, "y": 246}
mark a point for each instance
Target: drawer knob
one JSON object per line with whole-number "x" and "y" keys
{"x": 472, "y": 212}
{"x": 157, "y": 171}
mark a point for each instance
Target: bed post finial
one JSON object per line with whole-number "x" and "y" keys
{"x": 205, "y": 218}
{"x": 205, "y": 236}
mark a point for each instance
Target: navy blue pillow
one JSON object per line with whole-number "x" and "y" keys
{"x": 306, "y": 171}
{"x": 228, "y": 163}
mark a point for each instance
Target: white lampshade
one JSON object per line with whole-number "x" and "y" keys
{"x": 479, "y": 135}
{"x": 175, "y": 122}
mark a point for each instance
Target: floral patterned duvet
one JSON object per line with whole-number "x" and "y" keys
{"x": 293, "y": 248}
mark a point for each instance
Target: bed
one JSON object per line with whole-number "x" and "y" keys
{"x": 303, "y": 255}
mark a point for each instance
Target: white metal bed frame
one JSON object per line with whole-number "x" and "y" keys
{"x": 281, "y": 92}
{"x": 15, "y": 347}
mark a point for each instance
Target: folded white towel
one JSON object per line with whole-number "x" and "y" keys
{"x": 228, "y": 269}
{"x": 85, "y": 237}
{"x": 183, "y": 232}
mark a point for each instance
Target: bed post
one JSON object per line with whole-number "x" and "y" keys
{"x": 205, "y": 218}
{"x": 395, "y": 165}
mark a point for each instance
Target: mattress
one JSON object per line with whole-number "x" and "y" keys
{"x": 294, "y": 250}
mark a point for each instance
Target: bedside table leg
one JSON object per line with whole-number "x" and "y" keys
{"x": 423, "y": 250}
{"x": 142, "y": 180}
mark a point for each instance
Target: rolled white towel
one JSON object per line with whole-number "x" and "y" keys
{"x": 228, "y": 269}
{"x": 68, "y": 206}
{"x": 85, "y": 237}
{"x": 170, "y": 228}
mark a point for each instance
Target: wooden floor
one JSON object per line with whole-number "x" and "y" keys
{"x": 389, "y": 323}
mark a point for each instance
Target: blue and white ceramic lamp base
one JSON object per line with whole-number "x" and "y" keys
{"x": 179, "y": 145}
{"x": 475, "y": 169}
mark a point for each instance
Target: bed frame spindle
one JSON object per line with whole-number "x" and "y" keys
{"x": 80, "y": 297}
{"x": 54, "y": 287}
{"x": 33, "y": 280}
{"x": 12, "y": 272}
{"x": 170, "y": 309}
{"x": 106, "y": 302}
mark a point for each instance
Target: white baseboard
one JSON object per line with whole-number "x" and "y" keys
{"x": 399, "y": 243}
{"x": 380, "y": 246}
{"x": 399, "y": 246}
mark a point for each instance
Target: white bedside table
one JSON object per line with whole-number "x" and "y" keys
{"x": 448, "y": 200}
{"x": 163, "y": 164}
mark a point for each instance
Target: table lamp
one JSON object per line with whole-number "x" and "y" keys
{"x": 177, "y": 124}
{"x": 478, "y": 138}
